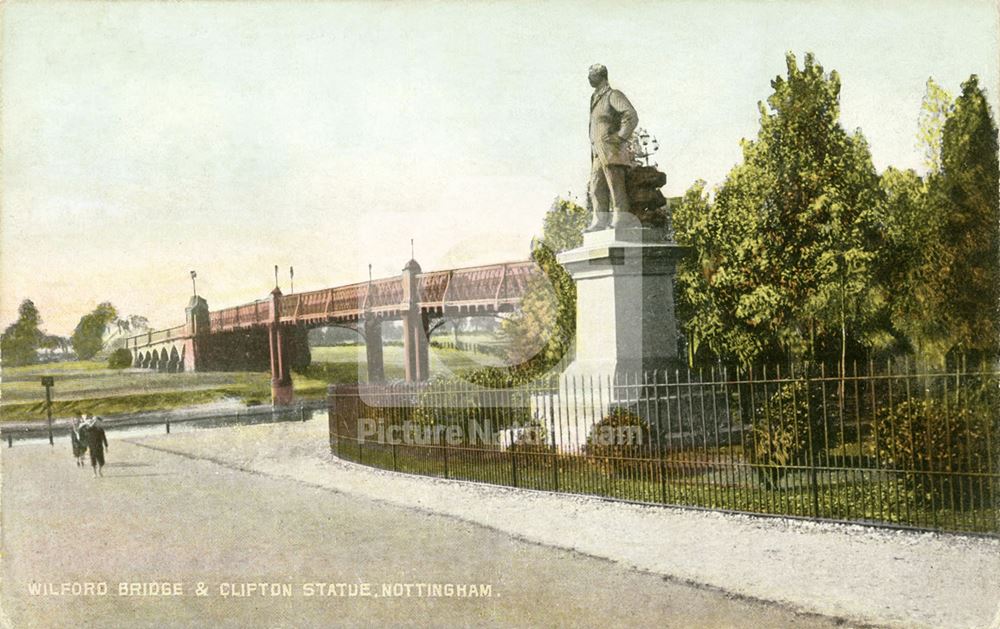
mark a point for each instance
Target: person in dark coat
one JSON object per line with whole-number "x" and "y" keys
{"x": 97, "y": 441}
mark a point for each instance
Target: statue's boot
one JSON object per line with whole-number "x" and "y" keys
{"x": 599, "y": 221}
{"x": 615, "y": 218}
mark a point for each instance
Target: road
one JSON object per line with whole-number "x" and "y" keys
{"x": 159, "y": 517}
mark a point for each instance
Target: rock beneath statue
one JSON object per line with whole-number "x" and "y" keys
{"x": 643, "y": 183}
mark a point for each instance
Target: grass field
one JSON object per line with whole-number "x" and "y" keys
{"x": 90, "y": 387}
{"x": 347, "y": 363}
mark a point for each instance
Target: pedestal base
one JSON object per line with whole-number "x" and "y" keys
{"x": 626, "y": 328}
{"x": 625, "y": 321}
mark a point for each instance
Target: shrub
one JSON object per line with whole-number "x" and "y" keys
{"x": 534, "y": 441}
{"x": 120, "y": 359}
{"x": 786, "y": 432}
{"x": 620, "y": 441}
{"x": 487, "y": 406}
{"x": 939, "y": 449}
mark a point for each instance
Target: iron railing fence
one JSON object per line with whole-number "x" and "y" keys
{"x": 35, "y": 431}
{"x": 890, "y": 446}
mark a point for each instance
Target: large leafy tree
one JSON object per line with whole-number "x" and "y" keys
{"x": 787, "y": 248}
{"x": 914, "y": 263}
{"x": 965, "y": 192}
{"x": 21, "y": 339}
{"x": 88, "y": 336}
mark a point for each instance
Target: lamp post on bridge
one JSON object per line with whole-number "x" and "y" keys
{"x": 194, "y": 286}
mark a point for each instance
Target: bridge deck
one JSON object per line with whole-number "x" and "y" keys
{"x": 470, "y": 290}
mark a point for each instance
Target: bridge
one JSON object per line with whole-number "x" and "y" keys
{"x": 271, "y": 333}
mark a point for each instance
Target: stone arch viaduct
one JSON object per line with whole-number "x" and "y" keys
{"x": 270, "y": 334}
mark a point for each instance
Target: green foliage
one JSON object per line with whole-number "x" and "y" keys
{"x": 22, "y": 338}
{"x": 939, "y": 448}
{"x": 121, "y": 358}
{"x": 787, "y": 431}
{"x": 786, "y": 250}
{"x": 620, "y": 443}
{"x": 934, "y": 110}
{"x": 942, "y": 233}
{"x": 915, "y": 263}
{"x": 966, "y": 190}
{"x": 541, "y": 334}
{"x": 89, "y": 332}
{"x": 446, "y": 400}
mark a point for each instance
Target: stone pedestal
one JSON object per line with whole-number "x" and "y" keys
{"x": 625, "y": 323}
{"x": 625, "y": 319}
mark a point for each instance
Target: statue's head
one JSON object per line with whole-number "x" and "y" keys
{"x": 597, "y": 74}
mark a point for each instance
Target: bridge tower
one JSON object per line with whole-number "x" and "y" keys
{"x": 415, "y": 326}
{"x": 196, "y": 319}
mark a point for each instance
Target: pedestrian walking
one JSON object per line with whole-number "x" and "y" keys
{"x": 97, "y": 441}
{"x": 78, "y": 439}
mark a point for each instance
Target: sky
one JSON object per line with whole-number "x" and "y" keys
{"x": 144, "y": 140}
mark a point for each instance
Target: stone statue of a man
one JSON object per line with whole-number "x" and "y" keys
{"x": 612, "y": 121}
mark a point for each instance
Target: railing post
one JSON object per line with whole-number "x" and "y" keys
{"x": 513, "y": 466}
{"x": 446, "y": 455}
{"x": 552, "y": 388}
{"x": 813, "y": 487}
{"x": 168, "y": 425}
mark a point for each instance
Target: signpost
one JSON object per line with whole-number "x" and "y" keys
{"x": 48, "y": 382}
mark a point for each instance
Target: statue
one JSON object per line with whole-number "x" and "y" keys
{"x": 612, "y": 121}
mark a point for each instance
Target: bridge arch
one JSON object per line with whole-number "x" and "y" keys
{"x": 173, "y": 361}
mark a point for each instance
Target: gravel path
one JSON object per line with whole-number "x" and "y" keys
{"x": 163, "y": 514}
{"x": 884, "y": 577}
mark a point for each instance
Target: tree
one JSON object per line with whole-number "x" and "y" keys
{"x": 21, "y": 339}
{"x": 913, "y": 262}
{"x": 965, "y": 192}
{"x": 133, "y": 324}
{"x": 934, "y": 110}
{"x": 121, "y": 358}
{"x": 941, "y": 257}
{"x": 786, "y": 252}
{"x": 88, "y": 336}
{"x": 541, "y": 334}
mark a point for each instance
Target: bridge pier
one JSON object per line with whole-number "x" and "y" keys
{"x": 415, "y": 326}
{"x": 373, "y": 349}
{"x": 281, "y": 374}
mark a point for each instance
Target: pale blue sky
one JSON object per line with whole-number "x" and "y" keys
{"x": 144, "y": 140}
